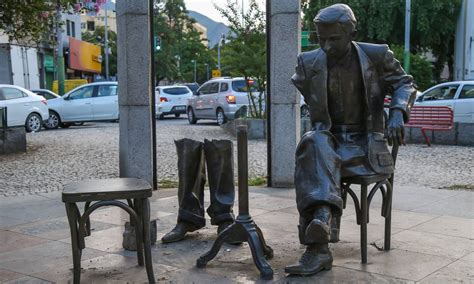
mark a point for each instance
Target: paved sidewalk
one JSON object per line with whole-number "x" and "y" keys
{"x": 432, "y": 241}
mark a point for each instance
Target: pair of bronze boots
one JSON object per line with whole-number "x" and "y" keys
{"x": 193, "y": 157}
{"x": 324, "y": 228}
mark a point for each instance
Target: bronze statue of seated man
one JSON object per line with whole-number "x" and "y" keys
{"x": 344, "y": 84}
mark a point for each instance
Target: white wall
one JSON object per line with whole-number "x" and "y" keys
{"x": 464, "y": 44}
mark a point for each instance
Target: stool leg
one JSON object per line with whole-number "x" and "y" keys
{"x": 363, "y": 223}
{"x": 388, "y": 218}
{"x": 76, "y": 252}
{"x": 137, "y": 206}
{"x": 145, "y": 209}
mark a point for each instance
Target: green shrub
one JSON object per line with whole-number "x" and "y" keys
{"x": 420, "y": 68}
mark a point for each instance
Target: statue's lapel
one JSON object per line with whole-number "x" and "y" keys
{"x": 367, "y": 71}
{"x": 319, "y": 79}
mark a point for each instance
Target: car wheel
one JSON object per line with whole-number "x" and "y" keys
{"x": 33, "y": 123}
{"x": 177, "y": 115}
{"x": 304, "y": 111}
{"x": 160, "y": 117}
{"x": 53, "y": 121}
{"x": 191, "y": 117}
{"x": 220, "y": 116}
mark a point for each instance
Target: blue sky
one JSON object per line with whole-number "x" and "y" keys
{"x": 206, "y": 7}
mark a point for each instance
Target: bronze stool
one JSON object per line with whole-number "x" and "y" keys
{"x": 108, "y": 192}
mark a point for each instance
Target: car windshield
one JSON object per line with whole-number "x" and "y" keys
{"x": 175, "y": 91}
{"x": 241, "y": 86}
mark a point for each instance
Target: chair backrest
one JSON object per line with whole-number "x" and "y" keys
{"x": 431, "y": 116}
{"x": 3, "y": 117}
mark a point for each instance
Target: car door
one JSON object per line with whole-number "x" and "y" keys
{"x": 198, "y": 99}
{"x": 439, "y": 96}
{"x": 464, "y": 104}
{"x": 210, "y": 100}
{"x": 18, "y": 105}
{"x": 77, "y": 105}
{"x": 105, "y": 102}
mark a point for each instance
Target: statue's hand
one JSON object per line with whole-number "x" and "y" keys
{"x": 395, "y": 129}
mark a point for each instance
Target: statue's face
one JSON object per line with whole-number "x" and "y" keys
{"x": 333, "y": 40}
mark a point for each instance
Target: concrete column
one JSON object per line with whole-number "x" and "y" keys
{"x": 284, "y": 31}
{"x": 135, "y": 85}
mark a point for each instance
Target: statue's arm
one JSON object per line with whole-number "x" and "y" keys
{"x": 401, "y": 84}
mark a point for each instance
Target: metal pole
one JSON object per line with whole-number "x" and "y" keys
{"x": 242, "y": 165}
{"x": 194, "y": 71}
{"x": 207, "y": 71}
{"x": 106, "y": 44}
{"x": 60, "y": 52}
{"x": 406, "y": 57}
{"x": 219, "y": 54}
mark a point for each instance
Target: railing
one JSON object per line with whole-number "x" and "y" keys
{"x": 3, "y": 117}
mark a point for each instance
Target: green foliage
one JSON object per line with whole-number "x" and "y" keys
{"x": 29, "y": 21}
{"x": 180, "y": 45}
{"x": 97, "y": 37}
{"x": 257, "y": 181}
{"x": 420, "y": 67}
{"x": 245, "y": 54}
{"x": 433, "y": 24}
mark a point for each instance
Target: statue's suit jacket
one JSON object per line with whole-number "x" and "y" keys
{"x": 381, "y": 75}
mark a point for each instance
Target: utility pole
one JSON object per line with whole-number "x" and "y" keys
{"x": 219, "y": 51}
{"x": 406, "y": 55}
{"x": 60, "y": 51}
{"x": 106, "y": 43}
{"x": 194, "y": 61}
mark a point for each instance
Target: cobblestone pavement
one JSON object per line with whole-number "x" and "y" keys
{"x": 60, "y": 156}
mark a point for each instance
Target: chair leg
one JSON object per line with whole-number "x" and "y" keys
{"x": 363, "y": 223}
{"x": 388, "y": 218}
{"x": 137, "y": 206}
{"x": 145, "y": 209}
{"x": 76, "y": 251}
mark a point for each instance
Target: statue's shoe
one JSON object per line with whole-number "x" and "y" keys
{"x": 311, "y": 263}
{"x": 178, "y": 233}
{"x": 317, "y": 232}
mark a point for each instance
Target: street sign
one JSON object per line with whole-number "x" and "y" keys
{"x": 305, "y": 38}
{"x": 216, "y": 73}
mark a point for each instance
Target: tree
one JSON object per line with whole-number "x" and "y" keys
{"x": 28, "y": 21}
{"x": 180, "y": 44}
{"x": 97, "y": 37}
{"x": 433, "y": 24}
{"x": 245, "y": 54}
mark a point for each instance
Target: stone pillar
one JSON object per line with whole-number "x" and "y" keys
{"x": 284, "y": 31}
{"x": 135, "y": 85}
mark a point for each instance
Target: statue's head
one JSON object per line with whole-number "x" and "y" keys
{"x": 335, "y": 26}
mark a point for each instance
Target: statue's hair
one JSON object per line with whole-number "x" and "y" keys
{"x": 337, "y": 13}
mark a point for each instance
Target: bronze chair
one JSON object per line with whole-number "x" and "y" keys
{"x": 108, "y": 192}
{"x": 384, "y": 183}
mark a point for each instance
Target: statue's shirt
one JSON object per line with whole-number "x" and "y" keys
{"x": 345, "y": 90}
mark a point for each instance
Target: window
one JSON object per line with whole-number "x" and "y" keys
{"x": 204, "y": 90}
{"x": 46, "y": 95}
{"x": 12, "y": 93}
{"x": 83, "y": 26}
{"x": 107, "y": 90}
{"x": 90, "y": 26}
{"x": 73, "y": 29}
{"x": 83, "y": 93}
{"x": 241, "y": 86}
{"x": 214, "y": 88}
{"x": 467, "y": 92}
{"x": 224, "y": 87}
{"x": 176, "y": 91}
{"x": 68, "y": 27}
{"x": 441, "y": 93}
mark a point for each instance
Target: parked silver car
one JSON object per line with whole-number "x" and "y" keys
{"x": 219, "y": 99}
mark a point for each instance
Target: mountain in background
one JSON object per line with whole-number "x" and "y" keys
{"x": 214, "y": 29}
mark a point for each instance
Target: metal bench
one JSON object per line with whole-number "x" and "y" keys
{"x": 108, "y": 192}
{"x": 435, "y": 118}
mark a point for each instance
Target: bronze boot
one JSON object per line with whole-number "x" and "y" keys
{"x": 317, "y": 257}
{"x": 318, "y": 230}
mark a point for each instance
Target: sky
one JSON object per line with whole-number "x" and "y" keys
{"x": 206, "y": 7}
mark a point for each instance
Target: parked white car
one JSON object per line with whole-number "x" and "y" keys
{"x": 171, "y": 100}
{"x": 89, "y": 102}
{"x": 220, "y": 99}
{"x": 457, "y": 95}
{"x": 24, "y": 108}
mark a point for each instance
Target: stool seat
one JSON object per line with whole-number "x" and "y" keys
{"x": 365, "y": 180}
{"x": 106, "y": 189}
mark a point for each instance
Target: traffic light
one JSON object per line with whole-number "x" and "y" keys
{"x": 157, "y": 43}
